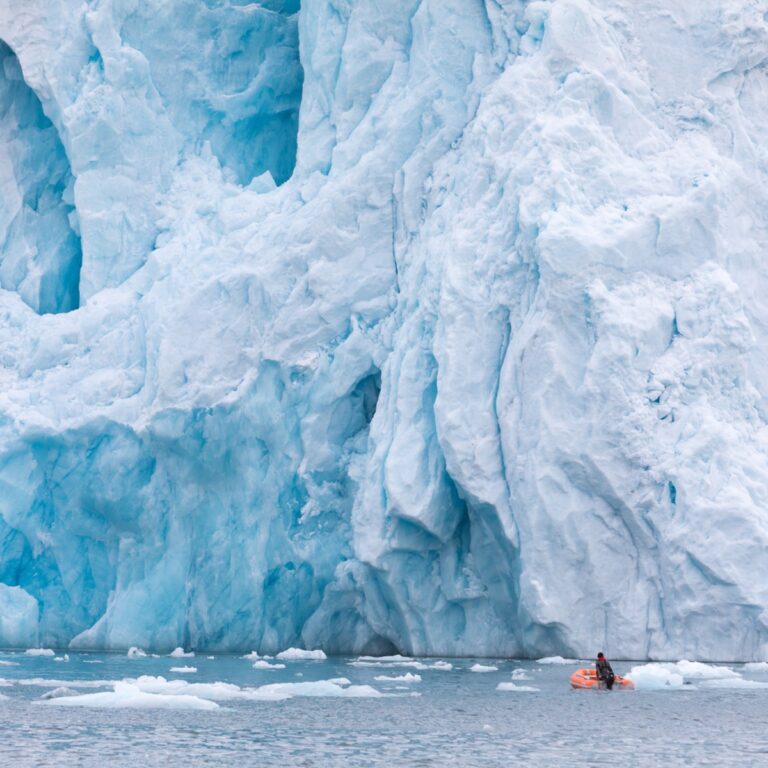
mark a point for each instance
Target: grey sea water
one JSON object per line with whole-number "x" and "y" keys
{"x": 450, "y": 718}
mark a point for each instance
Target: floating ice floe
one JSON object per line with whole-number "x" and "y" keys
{"x": 520, "y": 674}
{"x": 319, "y": 688}
{"x": 65, "y": 657}
{"x": 483, "y": 668}
{"x": 39, "y": 652}
{"x": 675, "y": 675}
{"x": 130, "y": 696}
{"x": 517, "y": 688}
{"x": 556, "y": 660}
{"x": 399, "y": 661}
{"x": 756, "y": 666}
{"x": 262, "y": 664}
{"x": 58, "y": 693}
{"x": 9, "y": 663}
{"x": 408, "y": 677}
{"x": 299, "y": 654}
{"x": 136, "y": 653}
{"x": 184, "y": 670}
{"x": 180, "y": 653}
{"x": 252, "y": 656}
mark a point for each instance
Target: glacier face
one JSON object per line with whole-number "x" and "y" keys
{"x": 485, "y": 375}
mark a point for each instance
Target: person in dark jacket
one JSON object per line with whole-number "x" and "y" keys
{"x": 604, "y": 671}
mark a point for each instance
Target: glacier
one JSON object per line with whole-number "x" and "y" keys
{"x": 427, "y": 326}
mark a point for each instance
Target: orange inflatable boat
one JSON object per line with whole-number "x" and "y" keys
{"x": 587, "y": 678}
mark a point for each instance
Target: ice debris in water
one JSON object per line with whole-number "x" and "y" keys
{"x": 129, "y": 696}
{"x": 263, "y": 664}
{"x": 136, "y": 653}
{"x": 58, "y": 693}
{"x": 483, "y": 668}
{"x": 408, "y": 677}
{"x": 674, "y": 675}
{"x": 4, "y": 663}
{"x": 180, "y": 653}
{"x": 556, "y": 660}
{"x": 520, "y": 674}
{"x": 517, "y": 688}
{"x": 65, "y": 657}
{"x": 299, "y": 654}
{"x": 399, "y": 661}
{"x": 39, "y": 652}
{"x": 184, "y": 670}
{"x": 756, "y": 666}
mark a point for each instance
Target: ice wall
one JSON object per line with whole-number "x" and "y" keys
{"x": 485, "y": 375}
{"x": 40, "y": 254}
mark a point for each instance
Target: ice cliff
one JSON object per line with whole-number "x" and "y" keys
{"x": 428, "y": 325}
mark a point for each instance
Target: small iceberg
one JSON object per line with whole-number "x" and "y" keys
{"x": 180, "y": 653}
{"x": 299, "y": 654}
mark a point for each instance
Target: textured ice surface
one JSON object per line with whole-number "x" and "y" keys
{"x": 299, "y": 654}
{"x": 129, "y": 696}
{"x": 677, "y": 674}
{"x": 486, "y": 374}
{"x": 483, "y": 668}
{"x": 262, "y": 664}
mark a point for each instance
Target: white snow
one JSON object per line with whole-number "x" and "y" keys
{"x": 299, "y": 654}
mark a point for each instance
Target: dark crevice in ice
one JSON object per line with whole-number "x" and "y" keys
{"x": 40, "y": 250}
